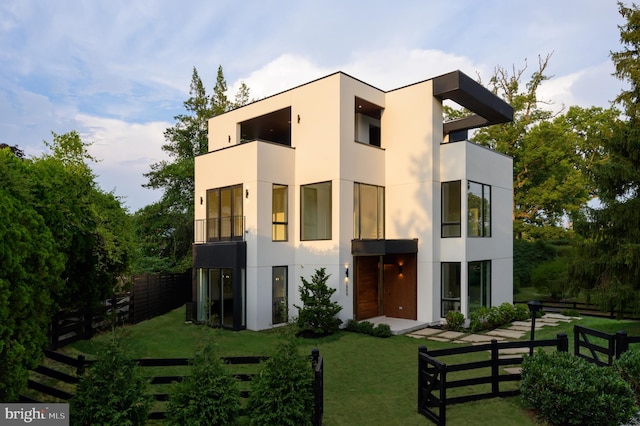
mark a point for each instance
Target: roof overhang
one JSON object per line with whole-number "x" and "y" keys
{"x": 487, "y": 108}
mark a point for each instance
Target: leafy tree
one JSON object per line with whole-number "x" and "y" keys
{"x": 551, "y": 277}
{"x": 318, "y": 312}
{"x": 547, "y": 180}
{"x": 30, "y": 273}
{"x": 209, "y": 395}
{"x": 113, "y": 392}
{"x": 281, "y": 394}
{"x": 609, "y": 245}
{"x": 184, "y": 141}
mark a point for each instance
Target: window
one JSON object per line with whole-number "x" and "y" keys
{"x": 315, "y": 211}
{"x": 216, "y": 304}
{"x": 224, "y": 213}
{"x": 279, "y": 294}
{"x": 450, "y": 279}
{"x": 368, "y": 212}
{"x": 367, "y": 122}
{"x": 479, "y": 278}
{"x": 479, "y": 210}
{"x": 451, "y": 209}
{"x": 279, "y": 213}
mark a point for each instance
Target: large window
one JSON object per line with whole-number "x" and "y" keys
{"x": 224, "y": 213}
{"x": 450, "y": 280}
{"x": 451, "y": 209}
{"x": 368, "y": 212}
{"x": 279, "y": 294}
{"x": 479, "y": 279}
{"x": 479, "y": 210}
{"x": 216, "y": 297}
{"x": 367, "y": 122}
{"x": 279, "y": 213}
{"x": 315, "y": 211}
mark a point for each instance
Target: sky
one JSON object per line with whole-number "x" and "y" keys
{"x": 118, "y": 71}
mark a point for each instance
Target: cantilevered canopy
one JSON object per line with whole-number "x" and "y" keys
{"x": 488, "y": 108}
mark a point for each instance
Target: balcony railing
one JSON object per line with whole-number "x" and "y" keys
{"x": 219, "y": 229}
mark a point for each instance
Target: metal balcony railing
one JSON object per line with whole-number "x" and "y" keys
{"x": 229, "y": 228}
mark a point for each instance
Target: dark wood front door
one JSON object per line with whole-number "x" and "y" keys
{"x": 367, "y": 287}
{"x": 400, "y": 287}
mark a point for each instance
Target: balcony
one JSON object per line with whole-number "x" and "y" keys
{"x": 231, "y": 228}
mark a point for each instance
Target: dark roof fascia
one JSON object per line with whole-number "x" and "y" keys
{"x": 488, "y": 108}
{"x": 382, "y": 247}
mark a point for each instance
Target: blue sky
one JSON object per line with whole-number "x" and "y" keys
{"x": 119, "y": 71}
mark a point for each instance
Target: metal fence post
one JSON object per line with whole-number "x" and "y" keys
{"x": 563, "y": 342}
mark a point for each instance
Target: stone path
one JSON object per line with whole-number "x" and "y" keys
{"x": 516, "y": 330}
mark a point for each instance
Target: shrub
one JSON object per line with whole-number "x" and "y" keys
{"x": 521, "y": 312}
{"x": 382, "y": 330}
{"x": 565, "y": 389}
{"x": 113, "y": 392}
{"x": 209, "y": 395}
{"x": 628, "y": 366}
{"x": 281, "y": 394}
{"x": 570, "y": 313}
{"x": 365, "y": 327}
{"x": 318, "y": 313}
{"x": 351, "y": 325}
{"x": 479, "y": 319}
{"x": 455, "y": 320}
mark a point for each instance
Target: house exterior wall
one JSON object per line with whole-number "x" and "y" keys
{"x": 410, "y": 164}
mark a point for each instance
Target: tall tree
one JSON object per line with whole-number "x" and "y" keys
{"x": 609, "y": 253}
{"x": 184, "y": 141}
{"x": 548, "y": 181}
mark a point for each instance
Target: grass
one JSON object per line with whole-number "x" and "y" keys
{"x": 368, "y": 380}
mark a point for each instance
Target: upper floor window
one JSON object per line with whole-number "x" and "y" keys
{"x": 279, "y": 213}
{"x": 315, "y": 211}
{"x": 224, "y": 213}
{"x": 367, "y": 122}
{"x": 368, "y": 212}
{"x": 479, "y": 210}
{"x": 450, "y": 226}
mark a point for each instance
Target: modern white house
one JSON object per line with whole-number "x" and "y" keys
{"x": 409, "y": 218}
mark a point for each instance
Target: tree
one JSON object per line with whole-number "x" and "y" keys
{"x": 547, "y": 180}
{"x": 29, "y": 275}
{"x": 608, "y": 260}
{"x": 184, "y": 141}
{"x": 318, "y": 312}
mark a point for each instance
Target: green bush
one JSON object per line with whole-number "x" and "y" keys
{"x": 351, "y": 325}
{"x": 209, "y": 395}
{"x": 382, "y": 330}
{"x": 565, "y": 389}
{"x": 318, "y": 312}
{"x": 113, "y": 392}
{"x": 521, "y": 312}
{"x": 365, "y": 327}
{"x": 281, "y": 394}
{"x": 455, "y": 320}
{"x": 628, "y": 366}
{"x": 551, "y": 277}
{"x": 478, "y": 320}
{"x": 570, "y": 313}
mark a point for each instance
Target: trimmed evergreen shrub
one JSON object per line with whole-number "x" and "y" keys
{"x": 565, "y": 389}
{"x": 318, "y": 312}
{"x": 209, "y": 395}
{"x": 282, "y": 393}
{"x": 365, "y": 327}
{"x": 351, "y": 325}
{"x": 113, "y": 392}
{"x": 382, "y": 330}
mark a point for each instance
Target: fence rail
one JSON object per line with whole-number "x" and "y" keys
{"x": 57, "y": 381}
{"x": 588, "y": 344}
{"x": 586, "y": 309}
{"x": 151, "y": 295}
{"x": 434, "y": 380}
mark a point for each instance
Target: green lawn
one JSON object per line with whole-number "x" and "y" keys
{"x": 368, "y": 380}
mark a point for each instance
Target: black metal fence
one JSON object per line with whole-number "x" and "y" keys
{"x": 56, "y": 381}
{"x": 434, "y": 381}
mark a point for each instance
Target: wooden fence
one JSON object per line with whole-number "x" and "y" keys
{"x": 151, "y": 295}
{"x": 56, "y": 381}
{"x": 434, "y": 382}
{"x": 599, "y": 347}
{"x": 585, "y": 309}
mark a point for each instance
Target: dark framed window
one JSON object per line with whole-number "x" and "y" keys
{"x": 368, "y": 212}
{"x": 225, "y": 220}
{"x": 315, "y": 211}
{"x": 478, "y": 209}
{"x": 451, "y": 209}
{"x": 479, "y": 288}
{"x": 450, "y": 286}
{"x": 279, "y": 294}
{"x": 279, "y": 213}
